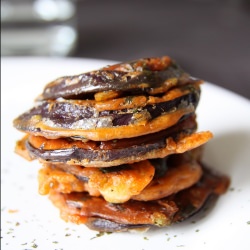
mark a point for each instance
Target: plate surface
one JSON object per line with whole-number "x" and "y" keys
{"x": 30, "y": 221}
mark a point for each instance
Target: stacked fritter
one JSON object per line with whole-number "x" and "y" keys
{"x": 119, "y": 146}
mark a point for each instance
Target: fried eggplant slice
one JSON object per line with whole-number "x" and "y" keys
{"x": 120, "y": 184}
{"x": 116, "y": 185}
{"x": 116, "y": 152}
{"x": 81, "y": 206}
{"x": 100, "y": 215}
{"x": 191, "y": 200}
{"x": 117, "y": 157}
{"x": 54, "y": 119}
{"x": 175, "y": 179}
{"x": 150, "y": 75}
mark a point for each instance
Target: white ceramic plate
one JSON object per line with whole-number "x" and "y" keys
{"x": 30, "y": 221}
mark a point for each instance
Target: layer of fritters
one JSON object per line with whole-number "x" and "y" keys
{"x": 101, "y": 215}
{"x": 117, "y": 146}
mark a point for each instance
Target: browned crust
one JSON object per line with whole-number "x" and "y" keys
{"x": 82, "y": 208}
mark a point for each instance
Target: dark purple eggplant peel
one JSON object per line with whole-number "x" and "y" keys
{"x": 137, "y": 76}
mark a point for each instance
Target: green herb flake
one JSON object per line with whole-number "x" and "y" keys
{"x": 67, "y": 235}
{"x": 197, "y": 230}
{"x": 34, "y": 245}
{"x": 97, "y": 235}
{"x": 129, "y": 99}
{"x": 248, "y": 222}
{"x": 145, "y": 238}
{"x": 100, "y": 234}
{"x": 135, "y": 110}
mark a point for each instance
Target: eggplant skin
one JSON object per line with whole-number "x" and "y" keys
{"x": 70, "y": 116}
{"x": 141, "y": 75}
{"x": 103, "y": 225}
{"x": 78, "y": 155}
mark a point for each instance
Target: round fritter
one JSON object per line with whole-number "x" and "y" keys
{"x": 150, "y": 75}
